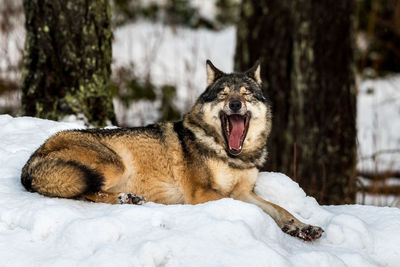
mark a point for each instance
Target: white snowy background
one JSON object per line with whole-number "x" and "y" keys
{"x": 41, "y": 231}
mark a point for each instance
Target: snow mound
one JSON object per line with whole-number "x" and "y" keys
{"x": 40, "y": 231}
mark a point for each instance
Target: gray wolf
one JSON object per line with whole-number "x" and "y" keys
{"x": 214, "y": 152}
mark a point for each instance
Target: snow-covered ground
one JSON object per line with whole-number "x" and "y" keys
{"x": 41, "y": 231}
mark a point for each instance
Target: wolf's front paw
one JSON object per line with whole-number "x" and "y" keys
{"x": 131, "y": 199}
{"x": 310, "y": 233}
{"x": 305, "y": 232}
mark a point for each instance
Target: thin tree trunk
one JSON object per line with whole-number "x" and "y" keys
{"x": 67, "y": 60}
{"x": 306, "y": 49}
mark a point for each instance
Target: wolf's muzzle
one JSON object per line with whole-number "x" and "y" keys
{"x": 235, "y": 105}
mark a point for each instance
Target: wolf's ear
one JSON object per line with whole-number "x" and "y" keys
{"x": 254, "y": 72}
{"x": 212, "y": 73}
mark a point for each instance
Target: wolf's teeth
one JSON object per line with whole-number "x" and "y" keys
{"x": 227, "y": 127}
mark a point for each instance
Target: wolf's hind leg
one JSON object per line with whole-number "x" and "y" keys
{"x": 115, "y": 198}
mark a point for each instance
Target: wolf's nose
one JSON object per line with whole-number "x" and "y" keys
{"x": 235, "y": 105}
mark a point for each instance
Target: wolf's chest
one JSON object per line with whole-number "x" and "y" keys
{"x": 227, "y": 180}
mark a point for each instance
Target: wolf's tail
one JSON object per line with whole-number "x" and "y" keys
{"x": 58, "y": 177}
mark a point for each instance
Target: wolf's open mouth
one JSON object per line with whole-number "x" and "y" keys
{"x": 235, "y": 128}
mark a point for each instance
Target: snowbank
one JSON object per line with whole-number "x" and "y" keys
{"x": 41, "y": 231}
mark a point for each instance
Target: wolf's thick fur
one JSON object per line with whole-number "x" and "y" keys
{"x": 214, "y": 152}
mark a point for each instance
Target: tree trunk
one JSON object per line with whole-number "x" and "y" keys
{"x": 67, "y": 60}
{"x": 306, "y": 52}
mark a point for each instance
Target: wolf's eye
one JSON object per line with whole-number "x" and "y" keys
{"x": 247, "y": 93}
{"x": 222, "y": 95}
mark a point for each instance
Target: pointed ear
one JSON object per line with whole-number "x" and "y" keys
{"x": 212, "y": 73}
{"x": 254, "y": 72}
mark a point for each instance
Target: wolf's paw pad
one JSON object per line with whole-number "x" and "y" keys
{"x": 131, "y": 199}
{"x": 290, "y": 228}
{"x": 307, "y": 233}
{"x": 310, "y": 232}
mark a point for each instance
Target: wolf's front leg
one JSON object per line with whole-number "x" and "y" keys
{"x": 286, "y": 221}
{"x": 200, "y": 195}
{"x": 115, "y": 198}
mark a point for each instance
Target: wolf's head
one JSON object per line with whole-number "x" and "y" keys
{"x": 232, "y": 112}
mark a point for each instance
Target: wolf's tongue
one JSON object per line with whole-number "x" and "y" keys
{"x": 237, "y": 123}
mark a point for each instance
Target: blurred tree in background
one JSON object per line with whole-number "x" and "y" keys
{"x": 377, "y": 33}
{"x": 176, "y": 12}
{"x": 132, "y": 88}
{"x": 378, "y": 37}
{"x": 306, "y": 49}
{"x": 11, "y": 42}
{"x": 67, "y": 60}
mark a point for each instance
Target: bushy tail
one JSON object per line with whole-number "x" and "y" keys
{"x": 57, "y": 177}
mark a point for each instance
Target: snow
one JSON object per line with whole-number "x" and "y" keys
{"x": 206, "y": 9}
{"x": 379, "y": 124}
{"x": 41, "y": 231}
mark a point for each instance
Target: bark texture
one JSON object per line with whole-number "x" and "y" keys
{"x": 67, "y": 60}
{"x": 306, "y": 52}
